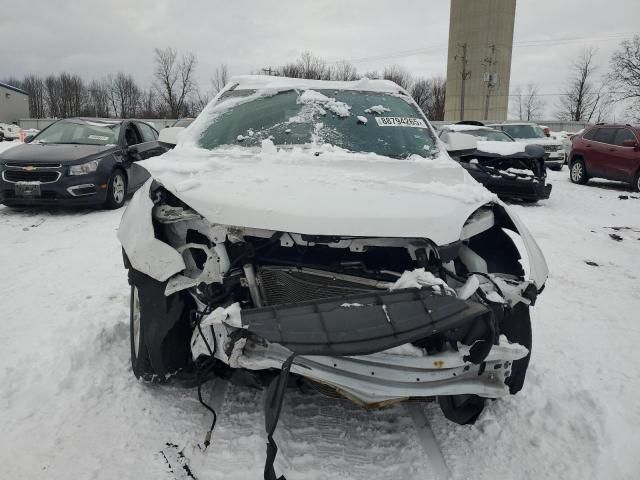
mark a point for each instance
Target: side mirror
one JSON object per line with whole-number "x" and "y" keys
{"x": 456, "y": 141}
{"x": 133, "y": 153}
{"x": 630, "y": 143}
{"x": 28, "y": 138}
{"x": 170, "y": 135}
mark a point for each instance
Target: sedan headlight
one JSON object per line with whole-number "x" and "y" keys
{"x": 84, "y": 168}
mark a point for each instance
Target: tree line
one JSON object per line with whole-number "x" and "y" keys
{"x": 590, "y": 94}
{"x": 174, "y": 92}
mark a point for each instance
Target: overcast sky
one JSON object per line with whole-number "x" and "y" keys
{"x": 96, "y": 38}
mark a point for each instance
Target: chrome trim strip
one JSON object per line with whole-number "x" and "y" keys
{"x": 84, "y": 185}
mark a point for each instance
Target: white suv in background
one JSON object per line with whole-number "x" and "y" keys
{"x": 531, "y": 133}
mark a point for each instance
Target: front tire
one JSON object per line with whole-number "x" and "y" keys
{"x": 116, "y": 190}
{"x": 578, "y": 173}
{"x": 140, "y": 363}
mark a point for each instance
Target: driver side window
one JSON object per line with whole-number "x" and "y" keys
{"x": 131, "y": 136}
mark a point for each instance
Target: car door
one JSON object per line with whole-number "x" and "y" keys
{"x": 622, "y": 159}
{"x": 150, "y": 147}
{"x": 132, "y": 140}
{"x": 599, "y": 152}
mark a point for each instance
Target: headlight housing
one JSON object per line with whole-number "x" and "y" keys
{"x": 84, "y": 168}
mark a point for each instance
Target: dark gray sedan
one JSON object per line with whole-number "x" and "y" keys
{"x": 79, "y": 161}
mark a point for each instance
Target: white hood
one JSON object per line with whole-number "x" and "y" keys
{"x": 539, "y": 141}
{"x": 334, "y": 193}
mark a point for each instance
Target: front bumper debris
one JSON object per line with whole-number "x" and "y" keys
{"x": 345, "y": 344}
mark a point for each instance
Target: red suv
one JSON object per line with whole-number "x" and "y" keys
{"x": 606, "y": 151}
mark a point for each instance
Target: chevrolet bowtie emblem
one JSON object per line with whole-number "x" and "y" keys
{"x": 29, "y": 168}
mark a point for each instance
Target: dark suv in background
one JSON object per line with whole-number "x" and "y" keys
{"x": 606, "y": 151}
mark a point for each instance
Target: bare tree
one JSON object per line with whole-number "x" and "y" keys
{"x": 345, "y": 71}
{"x": 306, "y": 66}
{"x": 583, "y": 100}
{"x": 97, "y": 99}
{"x": 174, "y": 79}
{"x": 625, "y": 73}
{"x": 148, "y": 104}
{"x": 399, "y": 75}
{"x": 527, "y": 105}
{"x": 429, "y": 94}
{"x": 372, "y": 75}
{"x": 35, "y": 86}
{"x": 124, "y": 95}
{"x": 220, "y": 78}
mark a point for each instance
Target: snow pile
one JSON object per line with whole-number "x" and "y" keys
{"x": 419, "y": 278}
{"x": 312, "y": 97}
{"x": 67, "y": 381}
{"x": 377, "y": 109}
{"x": 500, "y": 148}
{"x": 362, "y": 119}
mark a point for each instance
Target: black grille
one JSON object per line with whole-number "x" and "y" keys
{"x": 284, "y": 285}
{"x": 32, "y": 176}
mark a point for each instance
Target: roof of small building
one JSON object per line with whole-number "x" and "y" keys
{"x": 15, "y": 89}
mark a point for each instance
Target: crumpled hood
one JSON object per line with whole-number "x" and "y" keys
{"x": 333, "y": 193}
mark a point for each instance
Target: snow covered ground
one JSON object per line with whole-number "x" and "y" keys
{"x": 71, "y": 408}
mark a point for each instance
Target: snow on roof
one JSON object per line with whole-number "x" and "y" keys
{"x": 266, "y": 82}
{"x": 464, "y": 127}
{"x": 15, "y": 89}
{"x": 501, "y": 148}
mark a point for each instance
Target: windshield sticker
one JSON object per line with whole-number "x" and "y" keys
{"x": 401, "y": 122}
{"x": 98, "y": 137}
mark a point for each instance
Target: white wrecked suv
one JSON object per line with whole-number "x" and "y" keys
{"x": 319, "y": 231}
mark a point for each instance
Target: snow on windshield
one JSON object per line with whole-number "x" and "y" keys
{"x": 379, "y": 109}
{"x": 316, "y": 98}
{"x": 315, "y": 117}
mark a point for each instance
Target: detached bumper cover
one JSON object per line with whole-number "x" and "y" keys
{"x": 360, "y": 324}
{"x": 344, "y": 344}
{"x": 514, "y": 187}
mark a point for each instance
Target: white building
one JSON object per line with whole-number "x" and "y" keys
{"x": 14, "y": 104}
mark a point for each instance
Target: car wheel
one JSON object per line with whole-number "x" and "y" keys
{"x": 116, "y": 190}
{"x": 578, "y": 172}
{"x": 461, "y": 409}
{"x": 636, "y": 183}
{"x": 140, "y": 363}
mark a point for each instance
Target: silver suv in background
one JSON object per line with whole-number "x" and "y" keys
{"x": 530, "y": 133}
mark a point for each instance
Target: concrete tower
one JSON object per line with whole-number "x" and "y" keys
{"x": 479, "y": 60}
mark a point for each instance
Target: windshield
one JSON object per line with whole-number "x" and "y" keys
{"x": 381, "y": 123}
{"x": 524, "y": 131}
{"x": 81, "y": 133}
{"x": 490, "y": 135}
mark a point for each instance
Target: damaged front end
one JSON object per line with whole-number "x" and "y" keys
{"x": 521, "y": 175}
{"x": 375, "y": 320}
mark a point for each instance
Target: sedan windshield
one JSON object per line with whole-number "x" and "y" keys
{"x": 358, "y": 121}
{"x": 524, "y": 131}
{"x": 80, "y": 133}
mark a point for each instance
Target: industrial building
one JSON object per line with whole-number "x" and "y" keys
{"x": 14, "y": 104}
{"x": 479, "y": 59}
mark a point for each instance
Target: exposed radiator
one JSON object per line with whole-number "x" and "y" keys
{"x": 284, "y": 285}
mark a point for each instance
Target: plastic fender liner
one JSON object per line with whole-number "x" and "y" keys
{"x": 360, "y": 324}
